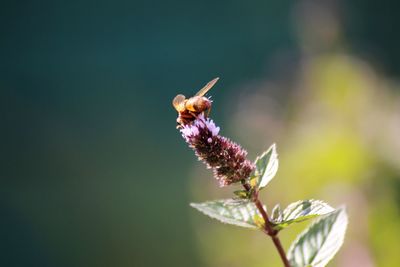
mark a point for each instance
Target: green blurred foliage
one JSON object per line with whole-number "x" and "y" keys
{"x": 337, "y": 133}
{"x": 94, "y": 172}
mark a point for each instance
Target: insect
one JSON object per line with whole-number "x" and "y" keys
{"x": 189, "y": 108}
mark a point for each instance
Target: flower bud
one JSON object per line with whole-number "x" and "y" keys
{"x": 226, "y": 158}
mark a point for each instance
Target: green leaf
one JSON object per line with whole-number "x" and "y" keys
{"x": 317, "y": 245}
{"x": 238, "y": 212}
{"x": 266, "y": 167}
{"x": 242, "y": 194}
{"x": 300, "y": 211}
{"x": 276, "y": 214}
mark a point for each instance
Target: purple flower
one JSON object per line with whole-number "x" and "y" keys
{"x": 226, "y": 158}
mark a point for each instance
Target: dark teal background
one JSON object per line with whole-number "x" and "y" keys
{"x": 93, "y": 170}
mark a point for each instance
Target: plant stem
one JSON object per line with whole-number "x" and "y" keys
{"x": 268, "y": 228}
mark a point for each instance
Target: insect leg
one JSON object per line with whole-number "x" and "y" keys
{"x": 208, "y": 112}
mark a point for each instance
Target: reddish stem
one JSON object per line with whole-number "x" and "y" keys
{"x": 268, "y": 227}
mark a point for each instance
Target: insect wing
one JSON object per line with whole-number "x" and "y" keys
{"x": 179, "y": 103}
{"x": 207, "y": 87}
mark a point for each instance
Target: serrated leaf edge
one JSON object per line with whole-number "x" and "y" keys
{"x": 262, "y": 180}
{"x": 200, "y": 207}
{"x": 302, "y": 234}
{"x": 313, "y": 201}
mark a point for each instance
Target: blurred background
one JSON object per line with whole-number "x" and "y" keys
{"x": 94, "y": 173}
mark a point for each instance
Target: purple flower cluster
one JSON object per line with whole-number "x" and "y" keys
{"x": 226, "y": 158}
